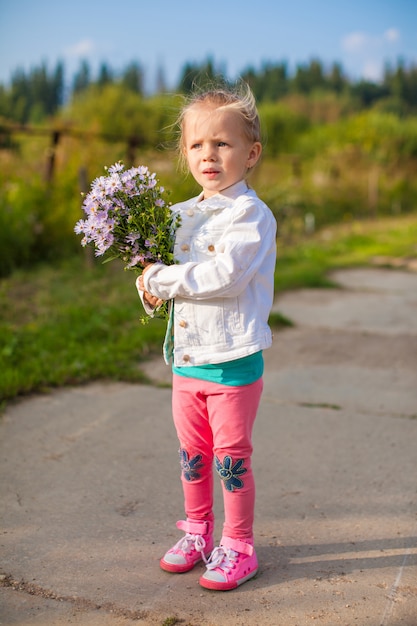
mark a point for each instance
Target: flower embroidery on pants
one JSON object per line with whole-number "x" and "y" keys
{"x": 190, "y": 466}
{"x": 230, "y": 473}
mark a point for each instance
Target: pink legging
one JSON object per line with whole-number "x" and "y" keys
{"x": 215, "y": 421}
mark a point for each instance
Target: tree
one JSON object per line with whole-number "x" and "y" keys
{"x": 336, "y": 79}
{"x": 82, "y": 78}
{"x": 132, "y": 78}
{"x": 105, "y": 75}
{"x": 19, "y": 96}
{"x": 309, "y": 77}
{"x": 402, "y": 84}
{"x": 194, "y": 75}
{"x": 58, "y": 83}
{"x": 160, "y": 80}
{"x": 270, "y": 84}
{"x": 368, "y": 93}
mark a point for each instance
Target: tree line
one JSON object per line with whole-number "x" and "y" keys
{"x": 39, "y": 93}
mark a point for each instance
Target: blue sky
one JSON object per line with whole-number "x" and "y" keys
{"x": 360, "y": 34}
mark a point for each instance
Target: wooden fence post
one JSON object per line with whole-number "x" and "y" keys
{"x": 50, "y": 164}
{"x": 132, "y": 144}
{"x": 373, "y": 191}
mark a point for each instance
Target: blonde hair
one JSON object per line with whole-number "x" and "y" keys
{"x": 240, "y": 100}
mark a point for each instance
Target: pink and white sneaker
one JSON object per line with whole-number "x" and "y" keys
{"x": 194, "y": 547}
{"x": 231, "y": 564}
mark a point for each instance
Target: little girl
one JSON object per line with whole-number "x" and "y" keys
{"x": 222, "y": 292}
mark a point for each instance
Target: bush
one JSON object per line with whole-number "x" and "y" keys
{"x": 20, "y": 208}
{"x": 282, "y": 128}
{"x": 356, "y": 167}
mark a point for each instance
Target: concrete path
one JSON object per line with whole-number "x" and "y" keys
{"x": 90, "y": 486}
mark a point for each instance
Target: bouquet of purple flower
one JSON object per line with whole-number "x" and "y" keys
{"x": 129, "y": 219}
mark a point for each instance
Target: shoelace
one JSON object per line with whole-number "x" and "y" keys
{"x": 189, "y": 541}
{"x": 223, "y": 559}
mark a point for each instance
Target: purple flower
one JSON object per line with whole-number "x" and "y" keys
{"x": 117, "y": 167}
{"x": 126, "y": 216}
{"x": 132, "y": 237}
{"x": 113, "y": 184}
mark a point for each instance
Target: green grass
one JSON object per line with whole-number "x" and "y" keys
{"x": 277, "y": 320}
{"x": 70, "y": 323}
{"x": 308, "y": 262}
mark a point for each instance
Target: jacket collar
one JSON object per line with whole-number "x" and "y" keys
{"x": 221, "y": 200}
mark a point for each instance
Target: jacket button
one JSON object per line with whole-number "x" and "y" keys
{"x": 186, "y": 358}
{"x": 211, "y": 248}
{"x": 183, "y": 324}
{"x": 185, "y": 247}
{"x": 190, "y": 212}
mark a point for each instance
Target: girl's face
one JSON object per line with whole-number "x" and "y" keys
{"x": 216, "y": 148}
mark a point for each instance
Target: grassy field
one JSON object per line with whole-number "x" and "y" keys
{"x": 385, "y": 241}
{"x": 79, "y": 321}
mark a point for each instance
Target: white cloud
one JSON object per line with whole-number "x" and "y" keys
{"x": 80, "y": 49}
{"x": 392, "y": 35}
{"x": 355, "y": 42}
{"x": 368, "y": 52}
{"x": 372, "y": 70}
{"x": 358, "y": 41}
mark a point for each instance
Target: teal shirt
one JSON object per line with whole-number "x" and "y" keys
{"x": 233, "y": 373}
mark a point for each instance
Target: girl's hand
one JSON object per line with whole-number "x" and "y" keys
{"x": 140, "y": 281}
{"x": 151, "y": 300}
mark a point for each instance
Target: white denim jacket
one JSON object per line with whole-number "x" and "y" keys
{"x": 223, "y": 286}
